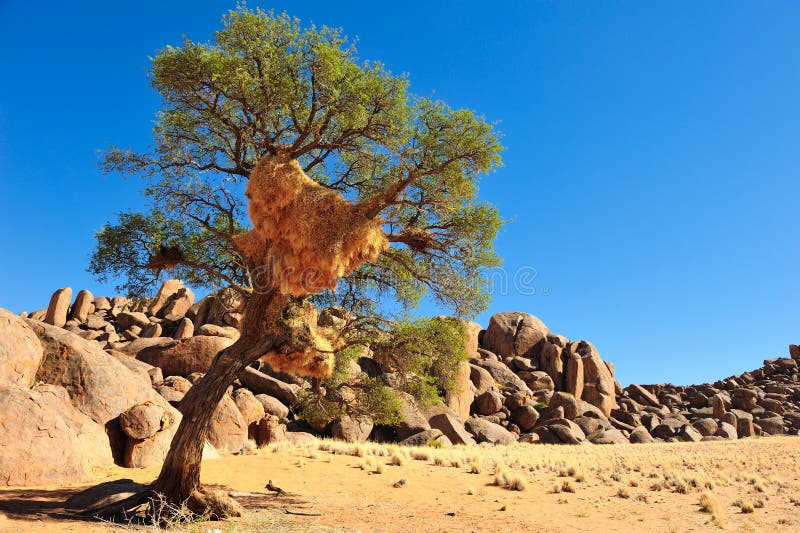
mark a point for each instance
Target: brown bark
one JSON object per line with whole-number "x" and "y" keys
{"x": 262, "y": 330}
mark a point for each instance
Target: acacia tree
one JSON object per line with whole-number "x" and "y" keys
{"x": 267, "y": 86}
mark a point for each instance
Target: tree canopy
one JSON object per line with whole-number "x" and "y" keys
{"x": 269, "y": 94}
{"x": 264, "y": 84}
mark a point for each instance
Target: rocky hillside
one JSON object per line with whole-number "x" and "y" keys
{"x": 96, "y": 381}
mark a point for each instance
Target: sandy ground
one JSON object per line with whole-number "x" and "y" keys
{"x": 651, "y": 488}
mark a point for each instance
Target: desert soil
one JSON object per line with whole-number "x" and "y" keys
{"x": 653, "y": 487}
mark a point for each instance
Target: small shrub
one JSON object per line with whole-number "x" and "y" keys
{"x": 509, "y": 480}
{"x": 500, "y": 476}
{"x": 623, "y": 492}
{"x": 746, "y": 506}
{"x": 421, "y": 455}
{"x": 516, "y": 482}
{"x": 708, "y": 504}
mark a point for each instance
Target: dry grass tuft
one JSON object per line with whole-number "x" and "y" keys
{"x": 509, "y": 480}
{"x": 746, "y": 505}
{"x": 708, "y": 504}
{"x": 420, "y": 455}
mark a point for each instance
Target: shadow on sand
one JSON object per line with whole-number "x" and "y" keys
{"x": 39, "y": 504}
{"x": 51, "y": 504}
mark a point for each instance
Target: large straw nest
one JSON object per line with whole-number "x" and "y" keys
{"x": 315, "y": 236}
{"x": 316, "y": 358}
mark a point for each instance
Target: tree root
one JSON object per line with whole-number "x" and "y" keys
{"x": 300, "y": 513}
{"x": 126, "y": 509}
{"x": 150, "y": 507}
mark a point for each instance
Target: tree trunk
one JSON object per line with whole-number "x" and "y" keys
{"x": 261, "y": 330}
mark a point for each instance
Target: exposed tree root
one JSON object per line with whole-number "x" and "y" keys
{"x": 300, "y": 513}
{"x": 151, "y": 507}
{"x": 130, "y": 507}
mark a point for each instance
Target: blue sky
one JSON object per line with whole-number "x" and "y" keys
{"x": 651, "y": 170}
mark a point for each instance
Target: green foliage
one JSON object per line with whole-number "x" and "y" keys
{"x": 267, "y": 82}
{"x": 592, "y": 437}
{"x": 434, "y": 444}
{"x": 125, "y": 250}
{"x": 349, "y": 393}
{"x": 424, "y": 354}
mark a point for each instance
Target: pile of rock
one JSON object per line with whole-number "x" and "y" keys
{"x": 541, "y": 387}
{"x": 536, "y": 385}
{"x": 63, "y": 403}
{"x": 96, "y": 381}
{"x": 77, "y": 391}
{"x": 765, "y": 401}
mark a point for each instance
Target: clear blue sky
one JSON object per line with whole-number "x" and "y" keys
{"x": 651, "y": 170}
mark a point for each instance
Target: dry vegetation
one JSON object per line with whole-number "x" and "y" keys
{"x": 747, "y": 485}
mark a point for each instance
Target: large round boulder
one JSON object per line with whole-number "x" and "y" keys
{"x": 144, "y": 420}
{"x": 452, "y": 428}
{"x": 486, "y": 431}
{"x": 515, "y": 333}
{"x": 351, "y": 429}
{"x": 489, "y": 402}
{"x": 413, "y": 419}
{"x": 59, "y": 306}
{"x": 184, "y": 357}
{"x": 98, "y": 384}
{"x": 84, "y": 304}
{"x": 598, "y": 381}
{"x": 228, "y": 431}
{"x": 38, "y": 445}
{"x": 460, "y": 397}
{"x": 273, "y": 406}
{"x": 20, "y": 351}
{"x": 480, "y": 378}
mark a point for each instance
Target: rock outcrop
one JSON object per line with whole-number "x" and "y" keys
{"x": 20, "y": 351}
{"x": 40, "y": 444}
{"x": 103, "y": 380}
